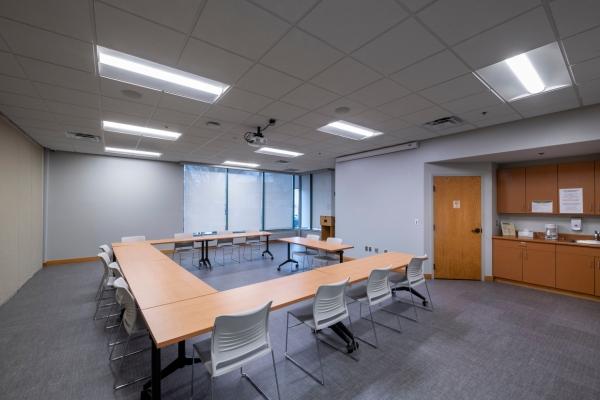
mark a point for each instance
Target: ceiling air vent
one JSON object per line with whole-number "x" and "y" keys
{"x": 88, "y": 137}
{"x": 443, "y": 123}
{"x": 282, "y": 162}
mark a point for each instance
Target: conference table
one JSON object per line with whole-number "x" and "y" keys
{"x": 312, "y": 244}
{"x": 178, "y": 306}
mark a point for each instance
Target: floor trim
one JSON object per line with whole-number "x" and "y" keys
{"x": 549, "y": 290}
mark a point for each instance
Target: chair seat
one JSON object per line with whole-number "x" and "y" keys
{"x": 202, "y": 349}
{"x": 357, "y": 292}
{"x": 304, "y": 314}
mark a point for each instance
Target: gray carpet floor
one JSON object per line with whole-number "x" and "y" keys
{"x": 483, "y": 341}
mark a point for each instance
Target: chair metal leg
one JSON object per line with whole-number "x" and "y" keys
{"x": 429, "y": 295}
{"x": 412, "y": 298}
{"x": 212, "y": 388}
{"x": 296, "y": 363}
{"x": 258, "y": 389}
{"x": 275, "y": 372}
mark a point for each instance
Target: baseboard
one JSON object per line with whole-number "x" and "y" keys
{"x": 346, "y": 258}
{"x": 49, "y": 263}
{"x": 547, "y": 289}
{"x": 428, "y": 276}
{"x": 488, "y": 278}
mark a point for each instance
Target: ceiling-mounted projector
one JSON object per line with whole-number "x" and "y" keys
{"x": 257, "y": 139}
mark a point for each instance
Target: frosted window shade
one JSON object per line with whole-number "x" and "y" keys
{"x": 322, "y": 186}
{"x": 245, "y": 200}
{"x": 305, "y": 201}
{"x": 279, "y": 204}
{"x": 204, "y": 198}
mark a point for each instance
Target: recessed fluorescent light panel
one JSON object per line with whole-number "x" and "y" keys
{"x": 349, "y": 130}
{"x": 132, "y": 152}
{"x": 527, "y": 74}
{"x": 240, "y": 164}
{"x": 123, "y": 67}
{"x": 278, "y": 152}
{"x": 139, "y": 130}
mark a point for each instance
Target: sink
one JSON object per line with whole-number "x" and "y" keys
{"x": 596, "y": 242}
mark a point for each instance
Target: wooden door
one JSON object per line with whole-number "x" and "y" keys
{"x": 579, "y": 175}
{"x": 510, "y": 190}
{"x": 507, "y": 259}
{"x": 539, "y": 264}
{"x": 597, "y": 276}
{"x": 457, "y": 227}
{"x": 575, "y": 269}
{"x": 541, "y": 185}
{"x": 597, "y": 174}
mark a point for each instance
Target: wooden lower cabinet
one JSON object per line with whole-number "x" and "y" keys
{"x": 597, "y": 276}
{"x": 539, "y": 264}
{"x": 507, "y": 259}
{"x": 576, "y": 269}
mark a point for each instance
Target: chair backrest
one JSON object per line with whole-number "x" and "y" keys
{"x": 114, "y": 269}
{"x": 129, "y": 239}
{"x": 224, "y": 241}
{"x": 120, "y": 284}
{"x": 312, "y": 237}
{"x": 334, "y": 240}
{"x": 414, "y": 271}
{"x": 329, "y": 305}
{"x": 105, "y": 261}
{"x": 183, "y": 245}
{"x": 239, "y": 338}
{"x": 130, "y": 313}
{"x": 378, "y": 285}
{"x": 239, "y": 240}
{"x": 106, "y": 249}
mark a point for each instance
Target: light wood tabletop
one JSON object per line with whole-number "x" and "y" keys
{"x": 201, "y": 238}
{"x": 360, "y": 269}
{"x": 317, "y": 244}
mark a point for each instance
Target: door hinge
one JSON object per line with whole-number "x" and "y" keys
{"x": 434, "y": 266}
{"x": 434, "y": 188}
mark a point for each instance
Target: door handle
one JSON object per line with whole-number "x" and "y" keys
{"x": 476, "y": 230}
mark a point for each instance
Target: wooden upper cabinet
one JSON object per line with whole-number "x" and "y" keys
{"x": 510, "y": 190}
{"x": 541, "y": 185}
{"x": 539, "y": 264}
{"x": 507, "y": 259}
{"x": 597, "y": 187}
{"x": 579, "y": 175}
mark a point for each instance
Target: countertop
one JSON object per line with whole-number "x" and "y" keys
{"x": 565, "y": 240}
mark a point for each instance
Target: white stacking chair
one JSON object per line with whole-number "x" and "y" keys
{"x": 184, "y": 247}
{"x": 237, "y": 340}
{"x": 328, "y": 308}
{"x": 111, "y": 272}
{"x": 327, "y": 257}
{"x": 253, "y": 243}
{"x": 223, "y": 244}
{"x": 108, "y": 250}
{"x": 104, "y": 248}
{"x": 130, "y": 239}
{"x": 413, "y": 277}
{"x": 133, "y": 325}
{"x": 306, "y": 254}
{"x": 375, "y": 292}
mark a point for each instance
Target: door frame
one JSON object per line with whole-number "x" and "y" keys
{"x": 486, "y": 171}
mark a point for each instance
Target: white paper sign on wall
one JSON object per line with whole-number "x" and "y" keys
{"x": 455, "y": 203}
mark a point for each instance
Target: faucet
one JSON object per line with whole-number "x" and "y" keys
{"x": 596, "y": 235}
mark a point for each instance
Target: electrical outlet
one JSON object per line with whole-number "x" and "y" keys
{"x": 370, "y": 248}
{"x": 417, "y": 221}
{"x": 366, "y": 248}
{"x": 376, "y": 250}
{"x": 385, "y": 251}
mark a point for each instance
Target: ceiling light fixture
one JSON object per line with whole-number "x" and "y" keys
{"x": 124, "y": 67}
{"x": 118, "y": 127}
{"x": 240, "y": 164}
{"x": 278, "y": 152}
{"x": 349, "y": 130}
{"x": 526, "y": 73}
{"x": 132, "y": 152}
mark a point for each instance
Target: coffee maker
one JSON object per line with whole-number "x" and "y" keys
{"x": 551, "y": 232}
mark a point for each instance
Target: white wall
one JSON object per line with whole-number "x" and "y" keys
{"x": 378, "y": 199}
{"x": 93, "y": 200}
{"x": 21, "y": 209}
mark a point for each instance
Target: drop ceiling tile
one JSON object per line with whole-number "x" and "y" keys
{"x": 501, "y": 119}
{"x": 289, "y": 129}
{"x": 12, "y": 99}
{"x": 282, "y": 111}
{"x": 301, "y": 55}
{"x": 78, "y": 123}
{"x": 406, "y": 105}
{"x": 290, "y": 10}
{"x": 583, "y": 46}
{"x": 348, "y": 24}
{"x": 415, "y": 5}
{"x": 546, "y": 103}
{"x": 62, "y": 76}
{"x": 47, "y": 46}
{"x": 473, "y": 102}
{"x": 410, "y": 43}
{"x": 487, "y": 113}
{"x": 268, "y": 82}
{"x": 526, "y": 32}
{"x": 120, "y": 140}
{"x": 255, "y": 29}
{"x": 127, "y": 107}
{"x": 211, "y": 62}
{"x": 369, "y": 118}
{"x": 19, "y": 113}
{"x": 136, "y": 36}
{"x": 314, "y": 120}
{"x": 587, "y": 70}
{"x": 427, "y": 115}
{"x": 29, "y": 123}
{"x": 431, "y": 71}
{"x": 378, "y": 93}
{"x": 16, "y": 85}
{"x": 64, "y": 95}
{"x": 345, "y": 76}
{"x": 118, "y": 90}
{"x": 456, "y": 20}
{"x": 455, "y": 129}
{"x": 182, "y": 104}
{"x": 309, "y": 96}
{"x": 414, "y": 133}
{"x": 590, "y": 92}
{"x": 177, "y": 14}
{"x": 391, "y": 125}
{"x": 330, "y": 109}
{"x": 455, "y": 89}
{"x": 172, "y": 116}
{"x": 74, "y": 110}
{"x": 221, "y": 113}
{"x": 243, "y": 100}
{"x": 69, "y": 17}
{"x": 9, "y": 65}
{"x": 574, "y": 16}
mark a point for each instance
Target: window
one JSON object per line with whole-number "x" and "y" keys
{"x": 279, "y": 200}
{"x": 322, "y": 192}
{"x": 244, "y": 200}
{"x": 204, "y": 198}
{"x": 305, "y": 201}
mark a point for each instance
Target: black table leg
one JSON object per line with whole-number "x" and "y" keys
{"x": 267, "y": 251}
{"x": 289, "y": 258}
{"x": 341, "y": 256}
{"x": 206, "y": 259}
